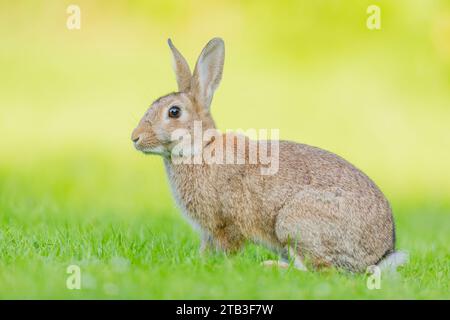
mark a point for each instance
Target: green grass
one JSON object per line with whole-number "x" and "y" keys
{"x": 130, "y": 242}
{"x": 73, "y": 190}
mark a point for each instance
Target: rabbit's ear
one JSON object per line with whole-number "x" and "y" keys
{"x": 181, "y": 68}
{"x": 208, "y": 72}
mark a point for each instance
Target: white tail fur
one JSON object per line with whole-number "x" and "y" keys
{"x": 393, "y": 261}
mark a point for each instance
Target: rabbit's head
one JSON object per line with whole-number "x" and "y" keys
{"x": 179, "y": 110}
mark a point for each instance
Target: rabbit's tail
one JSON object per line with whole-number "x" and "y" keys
{"x": 394, "y": 260}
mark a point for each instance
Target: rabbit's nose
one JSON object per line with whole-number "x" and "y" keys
{"x": 135, "y": 136}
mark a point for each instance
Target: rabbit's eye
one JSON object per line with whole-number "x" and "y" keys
{"x": 174, "y": 112}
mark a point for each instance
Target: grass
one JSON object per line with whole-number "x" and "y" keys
{"x": 133, "y": 246}
{"x": 72, "y": 190}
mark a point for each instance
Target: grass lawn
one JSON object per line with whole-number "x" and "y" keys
{"x": 121, "y": 228}
{"x": 73, "y": 191}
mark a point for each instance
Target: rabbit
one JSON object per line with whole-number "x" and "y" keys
{"x": 317, "y": 211}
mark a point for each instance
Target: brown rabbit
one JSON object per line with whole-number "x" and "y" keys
{"x": 317, "y": 209}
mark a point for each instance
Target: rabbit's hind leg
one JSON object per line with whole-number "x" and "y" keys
{"x": 289, "y": 256}
{"x": 275, "y": 263}
{"x": 306, "y": 234}
{"x": 296, "y": 259}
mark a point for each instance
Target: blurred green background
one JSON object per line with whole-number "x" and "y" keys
{"x": 69, "y": 100}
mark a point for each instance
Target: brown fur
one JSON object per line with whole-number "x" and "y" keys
{"x": 317, "y": 202}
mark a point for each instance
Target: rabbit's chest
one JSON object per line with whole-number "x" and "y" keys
{"x": 196, "y": 201}
{"x": 199, "y": 207}
{"x": 196, "y": 197}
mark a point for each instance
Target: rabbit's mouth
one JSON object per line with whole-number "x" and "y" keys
{"x": 141, "y": 143}
{"x": 159, "y": 150}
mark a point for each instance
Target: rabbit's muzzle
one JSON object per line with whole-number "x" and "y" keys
{"x": 145, "y": 140}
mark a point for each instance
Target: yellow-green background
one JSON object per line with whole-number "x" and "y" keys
{"x": 69, "y": 100}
